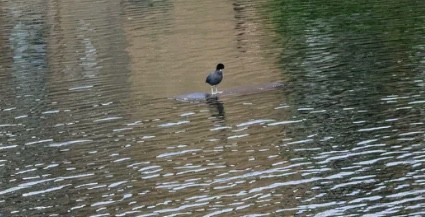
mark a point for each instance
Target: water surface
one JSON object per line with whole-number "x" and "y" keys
{"x": 89, "y": 125}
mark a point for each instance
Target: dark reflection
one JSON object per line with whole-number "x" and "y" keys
{"x": 216, "y": 107}
{"x": 341, "y": 56}
{"x": 323, "y": 52}
{"x": 27, "y": 42}
{"x": 240, "y": 16}
{"x": 352, "y": 70}
{"x": 25, "y": 64}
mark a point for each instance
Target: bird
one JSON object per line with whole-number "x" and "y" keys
{"x": 214, "y": 78}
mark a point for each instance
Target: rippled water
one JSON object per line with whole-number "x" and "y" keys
{"x": 89, "y": 125}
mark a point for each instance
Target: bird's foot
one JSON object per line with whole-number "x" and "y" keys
{"x": 216, "y": 91}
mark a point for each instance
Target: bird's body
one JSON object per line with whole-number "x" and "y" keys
{"x": 214, "y": 78}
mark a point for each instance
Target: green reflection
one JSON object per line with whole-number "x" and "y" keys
{"x": 366, "y": 46}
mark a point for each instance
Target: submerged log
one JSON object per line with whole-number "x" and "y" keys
{"x": 237, "y": 91}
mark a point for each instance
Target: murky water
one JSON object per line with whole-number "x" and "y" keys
{"x": 89, "y": 126}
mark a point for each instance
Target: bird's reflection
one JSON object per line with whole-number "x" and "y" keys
{"x": 216, "y": 107}
{"x": 218, "y": 119}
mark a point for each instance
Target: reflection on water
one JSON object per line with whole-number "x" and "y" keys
{"x": 88, "y": 126}
{"x": 173, "y": 44}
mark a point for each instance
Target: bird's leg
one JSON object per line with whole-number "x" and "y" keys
{"x": 216, "y": 90}
{"x": 212, "y": 90}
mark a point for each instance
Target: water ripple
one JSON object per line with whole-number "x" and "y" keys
{"x": 89, "y": 125}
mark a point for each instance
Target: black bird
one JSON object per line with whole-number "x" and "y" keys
{"x": 215, "y": 78}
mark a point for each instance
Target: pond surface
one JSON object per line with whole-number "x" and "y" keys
{"x": 89, "y": 125}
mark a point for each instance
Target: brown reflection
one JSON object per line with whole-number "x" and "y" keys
{"x": 86, "y": 40}
{"x": 172, "y": 46}
{"x": 172, "y": 50}
{"x": 87, "y": 58}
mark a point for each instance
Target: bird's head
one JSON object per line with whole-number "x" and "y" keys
{"x": 220, "y": 67}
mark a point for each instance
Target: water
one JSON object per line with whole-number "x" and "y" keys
{"x": 89, "y": 126}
